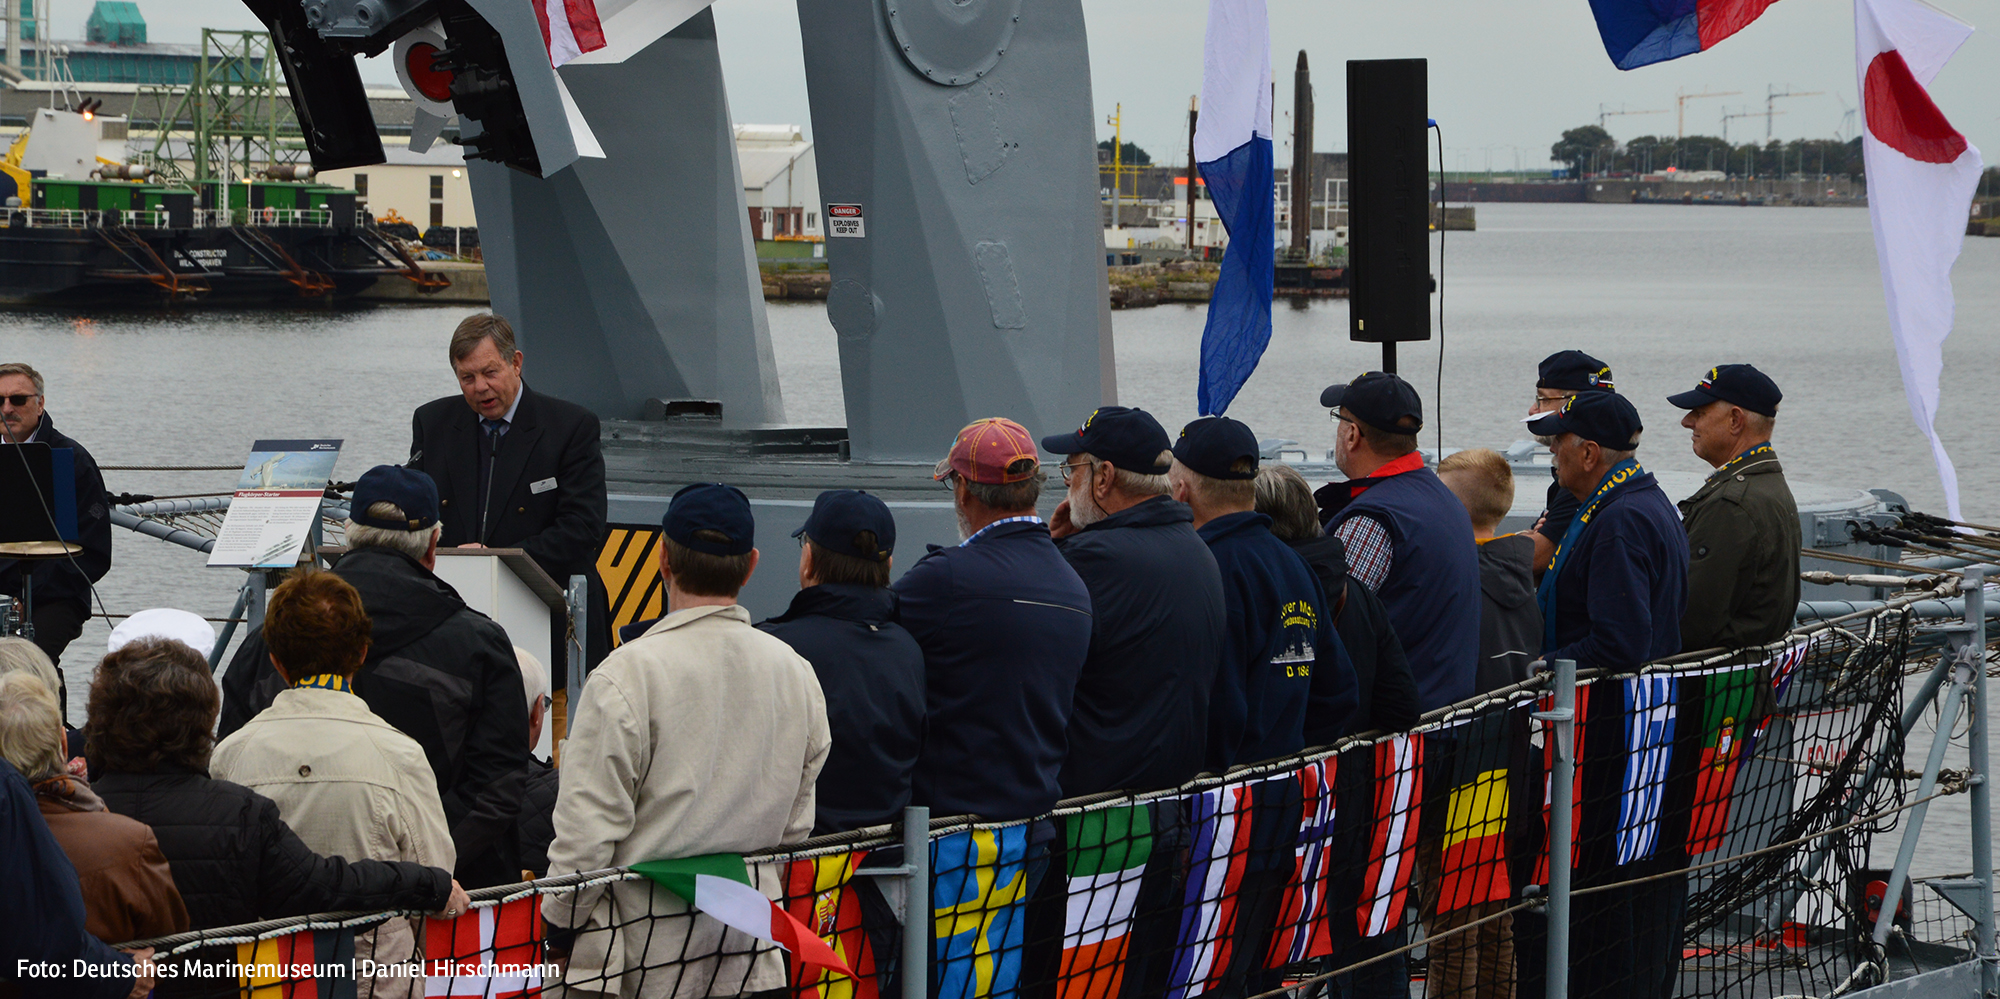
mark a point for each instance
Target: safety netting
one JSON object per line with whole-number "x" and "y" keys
{"x": 1723, "y": 812}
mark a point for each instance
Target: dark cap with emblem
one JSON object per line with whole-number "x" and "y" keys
{"x": 1736, "y": 384}
{"x": 711, "y": 507}
{"x": 1607, "y": 418}
{"x": 1379, "y": 399}
{"x": 409, "y": 490}
{"x": 1574, "y": 371}
{"x": 851, "y": 522}
{"x": 1127, "y": 438}
{"x": 1212, "y": 444}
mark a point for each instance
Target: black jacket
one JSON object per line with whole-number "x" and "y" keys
{"x": 41, "y": 906}
{"x": 1510, "y": 623}
{"x": 1382, "y": 680}
{"x": 872, "y": 674}
{"x": 1004, "y": 624}
{"x": 59, "y": 579}
{"x": 446, "y": 676}
{"x": 537, "y": 828}
{"x": 235, "y": 861}
{"x": 548, "y": 488}
{"x": 1140, "y": 720}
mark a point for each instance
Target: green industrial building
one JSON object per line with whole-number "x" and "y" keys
{"x": 114, "y": 49}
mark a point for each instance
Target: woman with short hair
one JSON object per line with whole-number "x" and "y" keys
{"x": 152, "y": 714}
{"x": 128, "y": 892}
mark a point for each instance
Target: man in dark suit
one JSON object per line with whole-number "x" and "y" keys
{"x": 516, "y": 468}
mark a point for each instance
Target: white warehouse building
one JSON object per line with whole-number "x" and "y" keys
{"x": 780, "y": 183}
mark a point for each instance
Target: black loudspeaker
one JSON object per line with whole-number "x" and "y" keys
{"x": 1388, "y": 201}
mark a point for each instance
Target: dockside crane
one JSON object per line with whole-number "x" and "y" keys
{"x": 1764, "y": 114}
{"x": 1681, "y": 99}
{"x": 1772, "y": 94}
{"x": 1603, "y": 113}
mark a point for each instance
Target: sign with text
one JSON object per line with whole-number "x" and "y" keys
{"x": 276, "y": 503}
{"x": 845, "y": 220}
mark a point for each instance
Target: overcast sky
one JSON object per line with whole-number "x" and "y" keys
{"x": 1505, "y": 78}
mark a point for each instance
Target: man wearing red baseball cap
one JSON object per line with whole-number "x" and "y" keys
{"x": 1004, "y": 623}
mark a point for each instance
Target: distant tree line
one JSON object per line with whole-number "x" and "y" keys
{"x": 1130, "y": 155}
{"x": 1590, "y": 150}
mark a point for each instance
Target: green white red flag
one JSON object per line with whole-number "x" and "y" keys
{"x": 719, "y": 884}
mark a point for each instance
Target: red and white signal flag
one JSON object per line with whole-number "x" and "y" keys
{"x": 569, "y": 28}
{"x": 1921, "y": 177}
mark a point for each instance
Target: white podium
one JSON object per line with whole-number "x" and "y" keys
{"x": 507, "y": 586}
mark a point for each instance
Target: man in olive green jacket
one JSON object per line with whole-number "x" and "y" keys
{"x": 1742, "y": 524}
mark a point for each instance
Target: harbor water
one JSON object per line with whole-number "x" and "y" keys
{"x": 1659, "y": 292}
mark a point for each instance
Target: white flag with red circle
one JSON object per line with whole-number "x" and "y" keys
{"x": 1921, "y": 178}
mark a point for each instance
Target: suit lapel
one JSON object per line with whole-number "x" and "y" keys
{"x": 463, "y": 470}
{"x": 512, "y": 459}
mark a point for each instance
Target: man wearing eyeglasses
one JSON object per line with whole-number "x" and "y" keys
{"x": 1561, "y": 375}
{"x": 62, "y": 586}
{"x": 1140, "y": 719}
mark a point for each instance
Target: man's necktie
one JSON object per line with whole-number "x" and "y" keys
{"x": 495, "y": 429}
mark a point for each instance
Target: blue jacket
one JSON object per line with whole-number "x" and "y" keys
{"x": 1432, "y": 590}
{"x": 1004, "y": 624}
{"x": 1141, "y": 716}
{"x": 1281, "y": 659}
{"x": 873, "y": 676}
{"x": 1621, "y": 593}
{"x": 41, "y": 906}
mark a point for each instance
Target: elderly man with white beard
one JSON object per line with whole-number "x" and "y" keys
{"x": 1140, "y": 718}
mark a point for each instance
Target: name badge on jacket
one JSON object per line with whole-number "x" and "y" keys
{"x": 539, "y": 487}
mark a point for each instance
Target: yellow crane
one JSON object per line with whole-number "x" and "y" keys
{"x": 1681, "y": 99}
{"x": 11, "y": 166}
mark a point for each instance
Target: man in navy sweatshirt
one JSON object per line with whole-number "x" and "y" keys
{"x": 1279, "y": 647}
{"x": 1004, "y": 624}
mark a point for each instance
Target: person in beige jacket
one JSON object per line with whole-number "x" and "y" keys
{"x": 702, "y": 736}
{"x": 347, "y": 782}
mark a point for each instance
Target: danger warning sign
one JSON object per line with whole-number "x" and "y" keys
{"x": 844, "y": 220}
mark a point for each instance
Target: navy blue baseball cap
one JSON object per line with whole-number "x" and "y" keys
{"x": 1213, "y": 443}
{"x": 413, "y": 492}
{"x": 1574, "y": 371}
{"x": 1127, "y": 438}
{"x": 838, "y": 518}
{"x": 1736, "y": 384}
{"x": 1379, "y": 399}
{"x": 1608, "y": 418}
{"x": 711, "y": 506}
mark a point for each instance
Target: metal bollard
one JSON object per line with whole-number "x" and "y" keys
{"x": 1981, "y": 787}
{"x": 579, "y": 631}
{"x": 1562, "y": 796}
{"x": 917, "y": 902}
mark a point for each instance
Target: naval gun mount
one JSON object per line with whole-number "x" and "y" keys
{"x": 956, "y": 151}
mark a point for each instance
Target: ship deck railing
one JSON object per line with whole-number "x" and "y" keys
{"x": 159, "y": 218}
{"x": 1279, "y": 877}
